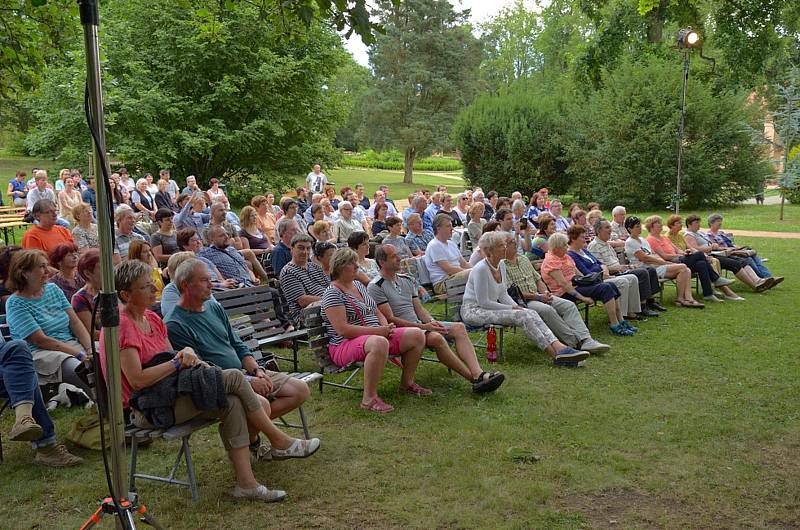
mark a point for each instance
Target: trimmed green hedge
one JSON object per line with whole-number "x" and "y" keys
{"x": 394, "y": 160}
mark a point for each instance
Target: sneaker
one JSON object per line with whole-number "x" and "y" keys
{"x": 260, "y": 451}
{"x": 298, "y": 449}
{"x": 629, "y": 325}
{"x": 712, "y": 298}
{"x": 56, "y": 456}
{"x": 259, "y": 493}
{"x": 569, "y": 357}
{"x": 649, "y": 313}
{"x": 735, "y": 298}
{"x": 722, "y": 282}
{"x": 594, "y": 347}
{"x": 621, "y": 330}
{"x": 25, "y": 430}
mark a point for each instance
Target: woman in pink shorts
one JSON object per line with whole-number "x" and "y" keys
{"x": 357, "y": 331}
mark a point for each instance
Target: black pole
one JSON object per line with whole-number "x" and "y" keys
{"x": 680, "y": 131}
{"x": 107, "y": 303}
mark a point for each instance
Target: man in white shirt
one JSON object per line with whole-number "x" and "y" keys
{"x": 40, "y": 191}
{"x": 618, "y": 232}
{"x": 562, "y": 223}
{"x": 442, "y": 257}
{"x": 316, "y": 180}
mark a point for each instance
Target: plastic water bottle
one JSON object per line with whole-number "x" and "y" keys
{"x": 491, "y": 345}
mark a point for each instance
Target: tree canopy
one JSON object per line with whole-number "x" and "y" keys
{"x": 425, "y": 69}
{"x": 205, "y": 94}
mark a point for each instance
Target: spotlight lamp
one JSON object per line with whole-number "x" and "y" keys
{"x": 688, "y": 38}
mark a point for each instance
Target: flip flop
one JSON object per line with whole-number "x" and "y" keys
{"x": 487, "y": 382}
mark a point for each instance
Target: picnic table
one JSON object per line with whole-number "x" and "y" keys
{"x": 7, "y": 225}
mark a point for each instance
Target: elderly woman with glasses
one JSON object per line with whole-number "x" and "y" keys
{"x": 486, "y": 301}
{"x": 358, "y": 332}
{"x": 40, "y": 314}
{"x": 147, "y": 358}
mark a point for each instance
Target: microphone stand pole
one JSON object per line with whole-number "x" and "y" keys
{"x": 120, "y": 502}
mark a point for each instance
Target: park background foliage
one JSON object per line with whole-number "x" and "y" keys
{"x": 585, "y": 94}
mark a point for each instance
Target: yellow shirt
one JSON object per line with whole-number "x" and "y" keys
{"x": 158, "y": 280}
{"x": 677, "y": 240}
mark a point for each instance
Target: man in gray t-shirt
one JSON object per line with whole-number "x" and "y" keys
{"x": 396, "y": 298}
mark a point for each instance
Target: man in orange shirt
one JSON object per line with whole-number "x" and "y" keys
{"x": 46, "y": 235}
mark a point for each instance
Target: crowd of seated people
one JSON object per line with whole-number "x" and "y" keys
{"x": 532, "y": 267}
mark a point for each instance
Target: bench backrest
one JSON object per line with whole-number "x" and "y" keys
{"x": 454, "y": 289}
{"x": 252, "y": 307}
{"x": 318, "y": 339}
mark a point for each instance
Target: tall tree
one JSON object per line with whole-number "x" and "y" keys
{"x": 509, "y": 43}
{"x": 206, "y": 94}
{"x": 425, "y": 69}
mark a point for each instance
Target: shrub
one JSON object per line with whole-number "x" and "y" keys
{"x": 513, "y": 142}
{"x": 623, "y": 143}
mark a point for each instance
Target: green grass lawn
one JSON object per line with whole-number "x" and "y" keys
{"x": 691, "y": 423}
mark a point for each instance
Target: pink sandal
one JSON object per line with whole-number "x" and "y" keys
{"x": 416, "y": 390}
{"x": 377, "y": 405}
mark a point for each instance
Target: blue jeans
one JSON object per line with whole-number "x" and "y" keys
{"x": 19, "y": 384}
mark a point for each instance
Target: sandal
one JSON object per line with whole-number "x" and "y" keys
{"x": 416, "y": 390}
{"x": 487, "y": 382}
{"x": 693, "y": 303}
{"x": 377, "y": 405}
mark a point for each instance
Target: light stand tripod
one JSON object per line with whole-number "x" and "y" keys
{"x": 123, "y": 507}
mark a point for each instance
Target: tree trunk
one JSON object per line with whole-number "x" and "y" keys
{"x": 655, "y": 24}
{"x": 409, "y": 165}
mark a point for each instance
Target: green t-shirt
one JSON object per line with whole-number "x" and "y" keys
{"x": 208, "y": 333}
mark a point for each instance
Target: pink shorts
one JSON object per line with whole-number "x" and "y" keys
{"x": 352, "y": 350}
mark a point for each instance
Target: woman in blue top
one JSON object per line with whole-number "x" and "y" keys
{"x": 627, "y": 284}
{"x": 18, "y": 189}
{"x": 536, "y": 208}
{"x": 39, "y": 313}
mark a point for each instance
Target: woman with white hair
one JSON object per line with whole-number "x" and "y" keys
{"x": 461, "y": 210}
{"x": 142, "y": 201}
{"x": 486, "y": 301}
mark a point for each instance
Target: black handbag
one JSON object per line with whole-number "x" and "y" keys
{"x": 516, "y": 294}
{"x": 588, "y": 280}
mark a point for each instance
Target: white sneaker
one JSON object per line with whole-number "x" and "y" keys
{"x": 298, "y": 449}
{"x": 712, "y": 298}
{"x": 722, "y": 282}
{"x": 594, "y": 347}
{"x": 259, "y": 493}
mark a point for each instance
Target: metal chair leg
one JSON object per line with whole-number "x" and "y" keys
{"x": 190, "y": 469}
{"x": 134, "y": 454}
{"x": 304, "y": 422}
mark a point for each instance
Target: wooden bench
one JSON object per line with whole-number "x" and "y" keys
{"x": 455, "y": 297}
{"x": 254, "y": 307}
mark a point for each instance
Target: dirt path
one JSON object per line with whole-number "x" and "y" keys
{"x": 756, "y": 233}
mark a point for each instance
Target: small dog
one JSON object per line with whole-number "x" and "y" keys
{"x": 69, "y": 396}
